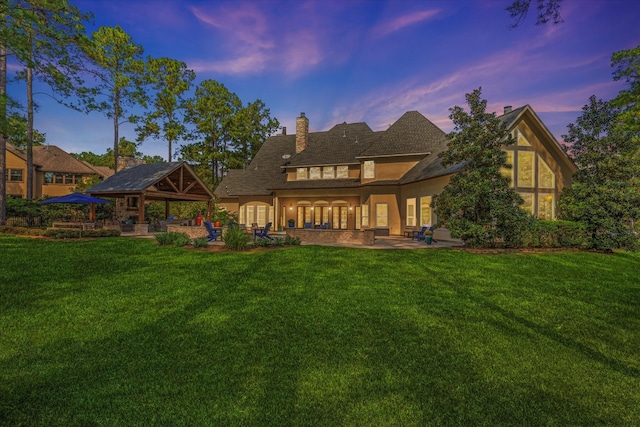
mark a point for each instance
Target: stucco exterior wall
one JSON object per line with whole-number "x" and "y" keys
{"x": 390, "y": 169}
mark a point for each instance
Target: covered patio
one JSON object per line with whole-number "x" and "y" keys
{"x": 168, "y": 182}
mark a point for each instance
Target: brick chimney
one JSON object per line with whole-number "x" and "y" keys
{"x": 302, "y": 132}
{"x": 284, "y": 130}
{"x": 507, "y": 109}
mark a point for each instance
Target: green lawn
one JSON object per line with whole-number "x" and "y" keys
{"x": 121, "y": 331}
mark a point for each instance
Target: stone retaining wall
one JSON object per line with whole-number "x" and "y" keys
{"x": 355, "y": 237}
{"x": 192, "y": 231}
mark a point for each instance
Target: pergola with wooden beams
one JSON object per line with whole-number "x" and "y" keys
{"x": 174, "y": 181}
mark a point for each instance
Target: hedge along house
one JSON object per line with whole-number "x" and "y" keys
{"x": 356, "y": 178}
{"x": 133, "y": 187}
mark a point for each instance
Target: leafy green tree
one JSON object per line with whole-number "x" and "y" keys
{"x": 626, "y": 64}
{"x": 548, "y": 10}
{"x": 18, "y": 129}
{"x": 253, "y": 124}
{"x": 605, "y": 193}
{"x": 92, "y": 158}
{"x": 168, "y": 81}
{"x": 119, "y": 68}
{"x": 477, "y": 205}
{"x": 212, "y": 112}
{"x": 52, "y": 31}
{"x": 126, "y": 148}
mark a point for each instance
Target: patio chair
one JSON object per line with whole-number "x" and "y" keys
{"x": 420, "y": 235}
{"x": 307, "y": 225}
{"x": 433, "y": 232}
{"x": 265, "y": 233}
{"x": 325, "y": 226}
{"x": 212, "y": 233}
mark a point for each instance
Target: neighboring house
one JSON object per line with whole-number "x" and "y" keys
{"x": 56, "y": 172}
{"x": 356, "y": 178}
{"x": 16, "y": 172}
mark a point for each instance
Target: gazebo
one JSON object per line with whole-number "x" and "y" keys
{"x": 174, "y": 181}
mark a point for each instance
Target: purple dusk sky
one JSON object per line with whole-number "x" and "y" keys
{"x": 371, "y": 61}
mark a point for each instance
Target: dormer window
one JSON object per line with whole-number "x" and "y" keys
{"x": 369, "y": 169}
{"x": 314, "y": 173}
{"x": 328, "y": 172}
{"x": 301, "y": 174}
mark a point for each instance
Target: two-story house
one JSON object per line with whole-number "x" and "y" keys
{"x": 357, "y": 178}
{"x": 55, "y": 172}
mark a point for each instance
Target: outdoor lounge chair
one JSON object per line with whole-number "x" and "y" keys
{"x": 213, "y": 234}
{"x": 420, "y": 235}
{"x": 265, "y": 233}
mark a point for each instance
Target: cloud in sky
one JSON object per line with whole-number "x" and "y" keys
{"x": 254, "y": 41}
{"x": 403, "y": 21}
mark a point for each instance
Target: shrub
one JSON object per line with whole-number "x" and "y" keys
{"x": 262, "y": 242}
{"x": 61, "y": 233}
{"x": 288, "y": 240}
{"x": 200, "y": 242}
{"x": 235, "y": 238}
{"x": 22, "y": 231}
{"x": 172, "y": 238}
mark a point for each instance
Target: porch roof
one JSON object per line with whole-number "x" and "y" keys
{"x": 156, "y": 181}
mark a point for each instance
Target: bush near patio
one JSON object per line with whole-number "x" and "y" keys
{"x": 319, "y": 336}
{"x": 58, "y": 233}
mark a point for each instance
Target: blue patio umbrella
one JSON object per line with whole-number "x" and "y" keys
{"x": 74, "y": 198}
{"x": 78, "y": 198}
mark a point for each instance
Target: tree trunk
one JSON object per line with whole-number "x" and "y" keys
{"x": 30, "y": 130}
{"x": 116, "y": 118}
{"x": 3, "y": 130}
{"x": 169, "y": 140}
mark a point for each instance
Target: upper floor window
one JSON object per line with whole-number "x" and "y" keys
{"x": 62, "y": 178}
{"x": 328, "y": 172}
{"x": 369, "y": 169}
{"x": 314, "y": 173}
{"x": 342, "y": 172}
{"x": 525, "y": 168}
{"x": 546, "y": 177}
{"x": 301, "y": 173}
{"x": 522, "y": 140}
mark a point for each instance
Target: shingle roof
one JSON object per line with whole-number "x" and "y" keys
{"x": 135, "y": 179}
{"x": 53, "y": 159}
{"x": 264, "y": 172}
{"x": 412, "y": 133}
{"x": 16, "y": 152}
{"x": 103, "y": 171}
{"x": 510, "y": 118}
{"x": 339, "y": 145}
{"x": 429, "y": 167}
